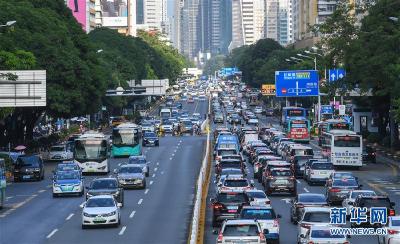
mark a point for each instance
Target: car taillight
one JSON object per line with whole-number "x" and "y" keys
{"x": 300, "y": 206}
{"x": 373, "y": 154}
{"x": 217, "y": 206}
{"x": 392, "y": 212}
{"x": 276, "y": 223}
{"x": 346, "y": 242}
{"x": 220, "y": 237}
{"x": 393, "y": 232}
{"x": 334, "y": 190}
{"x": 307, "y": 226}
{"x": 267, "y": 202}
{"x": 310, "y": 242}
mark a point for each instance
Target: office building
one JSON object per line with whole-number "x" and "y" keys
{"x": 84, "y": 12}
{"x": 190, "y": 29}
{"x": 271, "y": 19}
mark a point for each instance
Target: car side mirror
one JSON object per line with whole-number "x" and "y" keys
{"x": 215, "y": 232}
{"x": 252, "y": 184}
{"x": 361, "y": 185}
{"x": 115, "y": 171}
{"x": 279, "y": 216}
{"x": 266, "y": 231}
{"x": 392, "y": 204}
{"x": 82, "y": 205}
{"x": 350, "y": 203}
{"x": 302, "y": 236}
{"x": 119, "y": 204}
{"x": 212, "y": 199}
{"x": 219, "y": 184}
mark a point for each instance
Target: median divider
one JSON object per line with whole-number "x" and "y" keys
{"x": 197, "y": 225}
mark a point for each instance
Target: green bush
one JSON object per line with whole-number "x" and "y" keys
{"x": 374, "y": 138}
{"x": 386, "y": 141}
{"x": 8, "y": 162}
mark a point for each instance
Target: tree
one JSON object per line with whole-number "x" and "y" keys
{"x": 214, "y": 64}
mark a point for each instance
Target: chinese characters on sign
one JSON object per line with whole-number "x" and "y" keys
{"x": 268, "y": 90}
{"x": 358, "y": 216}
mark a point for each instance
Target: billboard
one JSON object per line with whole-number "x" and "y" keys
{"x": 78, "y": 8}
{"x": 115, "y": 13}
{"x": 297, "y": 83}
{"x": 26, "y": 89}
{"x": 268, "y": 90}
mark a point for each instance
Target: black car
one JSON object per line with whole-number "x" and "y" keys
{"x": 369, "y": 154}
{"x": 298, "y": 165}
{"x": 105, "y": 186}
{"x": 29, "y": 167}
{"x": 150, "y": 138}
{"x": 227, "y": 205}
{"x": 364, "y": 201}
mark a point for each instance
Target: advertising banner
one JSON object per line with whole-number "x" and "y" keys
{"x": 115, "y": 13}
{"x": 268, "y": 90}
{"x": 78, "y": 8}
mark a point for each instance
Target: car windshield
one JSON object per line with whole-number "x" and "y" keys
{"x": 226, "y": 152}
{"x": 281, "y": 173}
{"x": 231, "y": 172}
{"x": 236, "y": 183}
{"x": 345, "y": 182}
{"x": 320, "y": 217}
{"x": 104, "y": 184}
{"x": 28, "y": 161}
{"x": 241, "y": 230}
{"x": 312, "y": 198}
{"x": 150, "y": 134}
{"x": 258, "y": 214}
{"x": 326, "y": 166}
{"x": 395, "y": 222}
{"x": 64, "y": 167}
{"x": 324, "y": 234}
{"x": 130, "y": 170}
{"x": 303, "y": 152}
{"x": 231, "y": 197}
{"x": 67, "y": 175}
{"x": 347, "y": 141}
{"x": 343, "y": 175}
{"x": 378, "y": 202}
{"x": 137, "y": 161}
{"x": 256, "y": 194}
{"x": 57, "y": 149}
{"x": 100, "y": 203}
{"x": 230, "y": 165}
{"x": 354, "y": 195}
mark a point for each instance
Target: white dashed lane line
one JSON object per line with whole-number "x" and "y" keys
{"x": 51, "y": 233}
{"x": 155, "y": 169}
{"x": 132, "y": 214}
{"x": 69, "y": 216}
{"x": 151, "y": 182}
{"x": 140, "y": 201}
{"x": 306, "y": 190}
{"x": 154, "y": 175}
{"x": 146, "y": 191}
{"x": 122, "y": 231}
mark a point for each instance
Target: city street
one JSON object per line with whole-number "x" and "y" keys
{"x": 146, "y": 216}
{"x": 380, "y": 177}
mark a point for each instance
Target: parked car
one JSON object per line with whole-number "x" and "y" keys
{"x": 28, "y": 167}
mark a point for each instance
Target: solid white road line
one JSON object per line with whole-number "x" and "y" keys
{"x": 40, "y": 191}
{"x": 122, "y": 231}
{"x": 140, "y": 201}
{"x": 132, "y": 214}
{"x": 69, "y": 216}
{"x": 306, "y": 190}
{"x": 151, "y": 182}
{"x": 146, "y": 191}
{"x": 51, "y": 233}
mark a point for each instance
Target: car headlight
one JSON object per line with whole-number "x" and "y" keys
{"x": 86, "y": 214}
{"x": 103, "y": 167}
{"x": 110, "y": 214}
{"x": 56, "y": 185}
{"x": 36, "y": 169}
{"x": 77, "y": 184}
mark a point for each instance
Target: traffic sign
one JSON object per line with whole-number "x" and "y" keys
{"x": 342, "y": 109}
{"x": 336, "y": 74}
{"x": 296, "y": 83}
{"x": 326, "y": 109}
{"x": 268, "y": 90}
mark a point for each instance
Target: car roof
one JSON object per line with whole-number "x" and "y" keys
{"x": 254, "y": 190}
{"x": 258, "y": 207}
{"x": 240, "y": 221}
{"x": 102, "y": 196}
{"x": 105, "y": 178}
{"x": 317, "y": 209}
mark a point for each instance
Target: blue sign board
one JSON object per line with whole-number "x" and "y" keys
{"x": 228, "y": 71}
{"x": 336, "y": 74}
{"x": 296, "y": 83}
{"x": 326, "y": 109}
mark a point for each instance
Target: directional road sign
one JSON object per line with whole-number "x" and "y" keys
{"x": 296, "y": 83}
{"x": 336, "y": 74}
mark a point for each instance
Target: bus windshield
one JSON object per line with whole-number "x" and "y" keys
{"x": 90, "y": 149}
{"x": 339, "y": 126}
{"x": 125, "y": 137}
{"x": 296, "y": 112}
{"x": 347, "y": 141}
{"x": 299, "y": 124}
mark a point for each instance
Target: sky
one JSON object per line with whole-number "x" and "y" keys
{"x": 171, "y": 7}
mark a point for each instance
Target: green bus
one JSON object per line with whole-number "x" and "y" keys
{"x": 126, "y": 140}
{"x": 3, "y": 183}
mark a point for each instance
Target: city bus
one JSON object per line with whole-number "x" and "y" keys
{"x": 3, "y": 183}
{"x": 298, "y": 129}
{"x": 91, "y": 151}
{"x": 290, "y": 112}
{"x": 331, "y": 124}
{"x": 343, "y": 148}
{"x": 126, "y": 140}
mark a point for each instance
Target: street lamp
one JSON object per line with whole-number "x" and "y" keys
{"x": 297, "y": 59}
{"x": 9, "y": 23}
{"x": 314, "y": 58}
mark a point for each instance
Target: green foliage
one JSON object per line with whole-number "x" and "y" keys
{"x": 214, "y": 64}
{"x": 374, "y": 138}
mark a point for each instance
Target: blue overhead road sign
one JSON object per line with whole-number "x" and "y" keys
{"x": 336, "y": 74}
{"x": 296, "y": 83}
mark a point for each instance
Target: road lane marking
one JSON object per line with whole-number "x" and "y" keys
{"x": 306, "y": 190}
{"x": 376, "y": 188}
{"x": 151, "y": 182}
{"x": 158, "y": 163}
{"x": 69, "y": 216}
{"x": 51, "y": 233}
{"x": 173, "y": 154}
{"x": 170, "y": 159}
{"x": 298, "y": 182}
{"x": 140, "y": 201}
{"x": 154, "y": 175}
{"x": 40, "y": 191}
{"x": 146, "y": 191}
{"x": 155, "y": 169}
{"x": 122, "y": 231}
{"x": 162, "y": 172}
{"x": 132, "y": 214}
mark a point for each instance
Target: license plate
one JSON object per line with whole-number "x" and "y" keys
{"x": 26, "y": 177}
{"x": 233, "y": 207}
{"x": 322, "y": 173}
{"x": 98, "y": 220}
{"x": 281, "y": 182}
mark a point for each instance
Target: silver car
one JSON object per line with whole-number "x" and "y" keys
{"x": 242, "y": 231}
{"x": 322, "y": 234}
{"x": 131, "y": 176}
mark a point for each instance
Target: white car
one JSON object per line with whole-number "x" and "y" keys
{"x": 242, "y": 231}
{"x": 231, "y": 183}
{"x": 349, "y": 201}
{"x": 258, "y": 197}
{"x": 393, "y": 235}
{"x": 60, "y": 153}
{"x": 101, "y": 210}
{"x": 318, "y": 172}
{"x": 312, "y": 216}
{"x": 322, "y": 234}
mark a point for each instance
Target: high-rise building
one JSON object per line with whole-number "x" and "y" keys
{"x": 176, "y": 24}
{"x": 155, "y": 14}
{"x": 84, "y": 12}
{"x": 206, "y": 22}
{"x": 271, "y": 19}
{"x": 190, "y": 28}
{"x": 285, "y": 26}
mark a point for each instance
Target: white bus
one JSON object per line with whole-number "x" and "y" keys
{"x": 343, "y": 148}
{"x": 91, "y": 152}
{"x": 165, "y": 113}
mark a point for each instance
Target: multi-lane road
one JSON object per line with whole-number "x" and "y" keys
{"x": 159, "y": 214}
{"x": 382, "y": 177}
